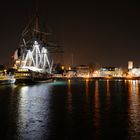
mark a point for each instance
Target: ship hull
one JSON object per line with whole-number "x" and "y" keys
{"x": 30, "y": 77}
{"x": 33, "y": 81}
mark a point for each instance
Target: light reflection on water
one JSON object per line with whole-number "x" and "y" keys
{"x": 69, "y": 98}
{"x": 96, "y": 118}
{"x": 33, "y": 111}
{"x": 134, "y": 109}
{"x": 98, "y": 109}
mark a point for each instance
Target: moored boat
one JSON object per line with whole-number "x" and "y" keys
{"x": 6, "y": 79}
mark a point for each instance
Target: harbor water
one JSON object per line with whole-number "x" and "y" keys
{"x": 71, "y": 110}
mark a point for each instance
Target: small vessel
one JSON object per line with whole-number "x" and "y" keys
{"x": 6, "y": 79}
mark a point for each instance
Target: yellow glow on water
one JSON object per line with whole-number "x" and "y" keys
{"x": 134, "y": 103}
{"x": 69, "y": 86}
{"x": 97, "y": 104}
{"x": 137, "y": 87}
{"x": 108, "y": 88}
{"x": 69, "y": 97}
{"x": 87, "y": 82}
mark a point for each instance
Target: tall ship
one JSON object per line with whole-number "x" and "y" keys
{"x": 33, "y": 60}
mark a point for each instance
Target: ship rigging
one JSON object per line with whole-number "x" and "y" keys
{"x": 34, "y": 52}
{"x": 35, "y": 49}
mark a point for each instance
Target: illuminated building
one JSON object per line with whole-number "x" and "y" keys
{"x": 110, "y": 72}
{"x": 82, "y": 70}
{"x": 135, "y": 72}
{"x": 130, "y": 65}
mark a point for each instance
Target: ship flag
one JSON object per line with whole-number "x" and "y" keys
{"x": 16, "y": 55}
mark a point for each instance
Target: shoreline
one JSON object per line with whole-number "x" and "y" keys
{"x": 98, "y": 78}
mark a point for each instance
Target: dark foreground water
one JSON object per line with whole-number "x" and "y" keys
{"x": 71, "y": 110}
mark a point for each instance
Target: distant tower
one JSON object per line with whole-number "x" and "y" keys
{"x": 130, "y": 65}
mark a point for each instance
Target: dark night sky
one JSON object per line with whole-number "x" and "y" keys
{"x": 99, "y": 32}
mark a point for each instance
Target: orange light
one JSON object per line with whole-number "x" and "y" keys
{"x": 62, "y": 67}
{"x": 69, "y": 68}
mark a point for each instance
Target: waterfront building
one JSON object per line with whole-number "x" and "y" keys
{"x": 130, "y": 65}
{"x": 134, "y": 72}
{"x": 110, "y": 72}
{"x": 82, "y": 71}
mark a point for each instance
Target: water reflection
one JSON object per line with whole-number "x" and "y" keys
{"x": 134, "y": 109}
{"x": 96, "y": 96}
{"x": 87, "y": 82}
{"x": 69, "y": 97}
{"x": 69, "y": 86}
{"x": 108, "y": 88}
{"x": 33, "y": 111}
{"x": 97, "y": 108}
{"x": 87, "y": 94}
{"x": 107, "y": 95}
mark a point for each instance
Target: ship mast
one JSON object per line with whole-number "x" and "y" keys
{"x": 35, "y": 49}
